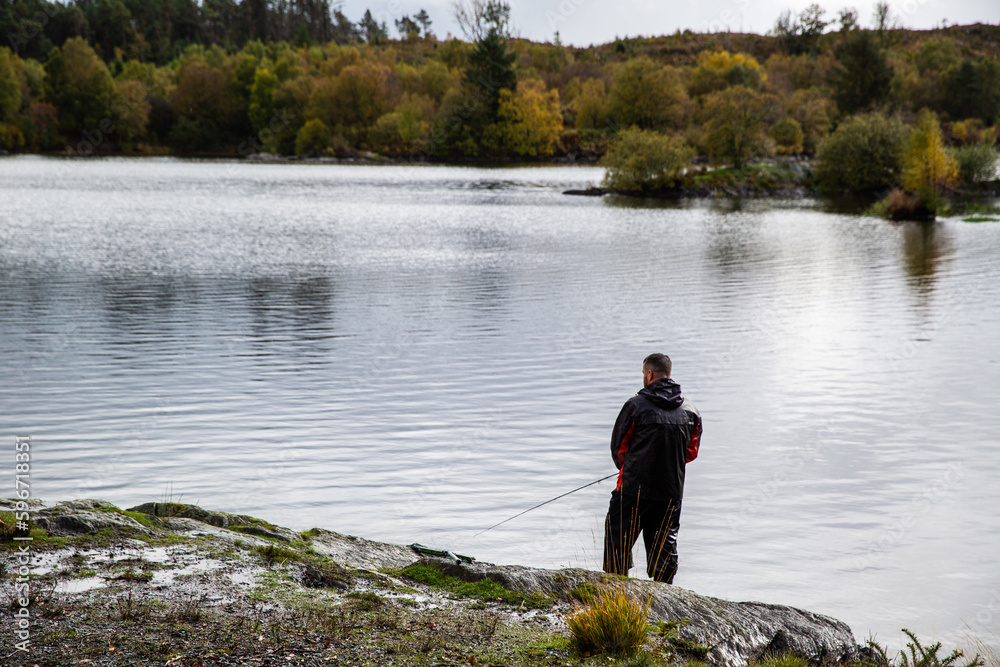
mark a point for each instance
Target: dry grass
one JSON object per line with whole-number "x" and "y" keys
{"x": 612, "y": 621}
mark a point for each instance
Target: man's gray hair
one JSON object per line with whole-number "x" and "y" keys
{"x": 658, "y": 363}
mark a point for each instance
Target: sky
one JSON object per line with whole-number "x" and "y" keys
{"x": 585, "y": 22}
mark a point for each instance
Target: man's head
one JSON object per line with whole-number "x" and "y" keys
{"x": 655, "y": 367}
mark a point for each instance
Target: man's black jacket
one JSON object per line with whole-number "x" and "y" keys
{"x": 656, "y": 434}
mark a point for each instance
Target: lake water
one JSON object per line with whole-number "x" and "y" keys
{"x": 414, "y": 353}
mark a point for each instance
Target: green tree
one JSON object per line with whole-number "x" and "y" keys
{"x": 864, "y": 79}
{"x": 813, "y": 110}
{"x": 864, "y": 154}
{"x": 972, "y": 90}
{"x": 130, "y": 105}
{"x": 788, "y": 135}
{"x": 591, "y": 104}
{"x": 261, "y": 99}
{"x": 648, "y": 95}
{"x": 79, "y": 85}
{"x": 490, "y": 66}
{"x": 205, "y": 105}
{"x": 10, "y": 87}
{"x": 737, "y": 120}
{"x": 976, "y": 163}
{"x": 314, "y": 138}
{"x": 644, "y": 160}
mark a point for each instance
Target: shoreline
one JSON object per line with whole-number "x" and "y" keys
{"x": 169, "y": 583}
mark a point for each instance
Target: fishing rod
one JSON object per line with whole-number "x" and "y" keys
{"x": 596, "y": 481}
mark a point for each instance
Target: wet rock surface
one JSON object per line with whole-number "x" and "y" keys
{"x": 164, "y": 564}
{"x": 735, "y": 631}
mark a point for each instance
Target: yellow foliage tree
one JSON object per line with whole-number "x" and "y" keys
{"x": 529, "y": 121}
{"x": 314, "y": 138}
{"x": 927, "y": 166}
{"x": 717, "y": 70}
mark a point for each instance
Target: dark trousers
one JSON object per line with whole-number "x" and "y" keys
{"x": 658, "y": 520}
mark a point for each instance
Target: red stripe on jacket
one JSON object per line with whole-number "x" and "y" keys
{"x": 622, "y": 452}
{"x": 692, "y": 448}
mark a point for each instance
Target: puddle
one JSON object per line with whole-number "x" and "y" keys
{"x": 81, "y": 585}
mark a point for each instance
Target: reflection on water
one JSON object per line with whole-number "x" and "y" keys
{"x": 926, "y": 250}
{"x": 416, "y": 353}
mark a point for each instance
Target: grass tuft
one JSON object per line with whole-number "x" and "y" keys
{"x": 484, "y": 589}
{"x": 613, "y": 621}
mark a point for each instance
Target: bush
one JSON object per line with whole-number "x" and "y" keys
{"x": 976, "y": 162}
{"x": 865, "y": 153}
{"x": 787, "y": 134}
{"x": 614, "y": 621}
{"x": 314, "y": 138}
{"x": 643, "y": 160}
{"x": 737, "y": 122}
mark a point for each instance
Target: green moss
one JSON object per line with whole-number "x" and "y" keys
{"x": 484, "y": 589}
{"x": 782, "y": 661}
{"x": 672, "y": 642}
{"x": 274, "y": 554}
{"x": 553, "y": 642}
{"x": 585, "y": 592}
{"x": 366, "y": 600}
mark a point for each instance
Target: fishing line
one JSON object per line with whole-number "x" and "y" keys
{"x": 596, "y": 481}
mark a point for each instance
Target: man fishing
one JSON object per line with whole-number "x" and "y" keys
{"x": 656, "y": 434}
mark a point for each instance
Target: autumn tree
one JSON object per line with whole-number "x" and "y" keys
{"x": 404, "y": 131}
{"x": 644, "y": 160}
{"x": 648, "y": 95}
{"x": 720, "y": 69}
{"x": 788, "y": 136}
{"x": 204, "y": 104}
{"x": 927, "y": 167}
{"x": 814, "y": 112}
{"x": 529, "y": 121}
{"x": 737, "y": 120}
{"x": 313, "y": 138}
{"x": 130, "y": 106}
{"x": 591, "y": 104}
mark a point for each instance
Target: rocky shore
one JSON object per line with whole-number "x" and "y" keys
{"x": 175, "y": 584}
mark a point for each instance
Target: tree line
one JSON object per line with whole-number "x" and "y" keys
{"x": 297, "y": 77}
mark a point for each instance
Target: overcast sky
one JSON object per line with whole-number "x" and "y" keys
{"x": 584, "y": 22}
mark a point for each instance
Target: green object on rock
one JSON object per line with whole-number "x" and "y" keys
{"x": 441, "y": 553}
